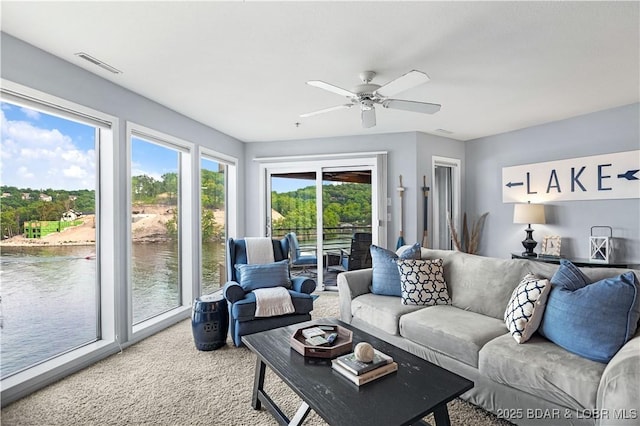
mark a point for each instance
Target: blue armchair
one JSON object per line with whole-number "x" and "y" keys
{"x": 242, "y": 300}
{"x": 298, "y": 260}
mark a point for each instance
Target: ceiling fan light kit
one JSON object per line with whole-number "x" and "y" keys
{"x": 367, "y": 94}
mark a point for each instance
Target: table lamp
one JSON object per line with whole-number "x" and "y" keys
{"x": 529, "y": 213}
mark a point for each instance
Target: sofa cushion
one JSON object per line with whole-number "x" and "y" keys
{"x": 451, "y": 331}
{"x": 386, "y": 279}
{"x": 265, "y": 275}
{"x": 245, "y": 309}
{"x": 544, "y": 369}
{"x": 479, "y": 284}
{"x": 594, "y": 320}
{"x": 525, "y": 309}
{"x": 422, "y": 282}
{"x": 383, "y": 312}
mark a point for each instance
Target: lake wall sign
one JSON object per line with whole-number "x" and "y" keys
{"x": 598, "y": 177}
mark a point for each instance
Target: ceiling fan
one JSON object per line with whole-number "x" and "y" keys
{"x": 367, "y": 94}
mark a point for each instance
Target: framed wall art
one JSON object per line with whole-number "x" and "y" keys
{"x": 551, "y": 245}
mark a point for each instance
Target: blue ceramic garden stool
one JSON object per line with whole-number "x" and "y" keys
{"x": 210, "y": 321}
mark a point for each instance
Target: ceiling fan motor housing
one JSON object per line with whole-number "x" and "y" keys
{"x": 365, "y": 91}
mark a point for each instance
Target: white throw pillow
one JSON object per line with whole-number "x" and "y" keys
{"x": 422, "y": 282}
{"x": 526, "y": 307}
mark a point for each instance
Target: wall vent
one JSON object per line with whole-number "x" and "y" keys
{"x": 98, "y": 62}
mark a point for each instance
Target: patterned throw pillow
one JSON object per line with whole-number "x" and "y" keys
{"x": 526, "y": 307}
{"x": 422, "y": 282}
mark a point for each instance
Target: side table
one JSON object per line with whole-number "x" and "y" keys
{"x": 585, "y": 263}
{"x": 210, "y": 321}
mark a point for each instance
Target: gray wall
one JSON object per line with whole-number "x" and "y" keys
{"x": 609, "y": 131}
{"x": 401, "y": 149}
{"x": 409, "y": 155}
{"x": 25, "y": 64}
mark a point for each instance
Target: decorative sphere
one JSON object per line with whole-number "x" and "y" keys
{"x": 363, "y": 352}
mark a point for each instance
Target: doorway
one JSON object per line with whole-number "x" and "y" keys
{"x": 446, "y": 200}
{"x": 325, "y": 203}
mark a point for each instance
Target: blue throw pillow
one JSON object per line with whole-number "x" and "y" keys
{"x": 595, "y": 320}
{"x": 569, "y": 276}
{"x": 251, "y": 277}
{"x": 386, "y": 278}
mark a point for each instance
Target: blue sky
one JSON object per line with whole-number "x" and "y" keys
{"x": 41, "y": 151}
{"x": 281, "y": 185}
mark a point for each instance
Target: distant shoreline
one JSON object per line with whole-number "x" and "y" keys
{"x": 7, "y": 243}
{"x": 36, "y": 242}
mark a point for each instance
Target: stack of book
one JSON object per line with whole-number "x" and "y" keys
{"x": 364, "y": 372}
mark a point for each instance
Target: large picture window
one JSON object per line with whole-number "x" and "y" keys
{"x": 49, "y": 219}
{"x": 100, "y": 238}
{"x": 156, "y": 232}
{"x": 213, "y": 223}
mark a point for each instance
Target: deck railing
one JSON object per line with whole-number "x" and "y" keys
{"x": 333, "y": 237}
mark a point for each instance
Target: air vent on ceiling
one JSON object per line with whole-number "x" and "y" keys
{"x": 98, "y": 62}
{"x": 446, "y": 132}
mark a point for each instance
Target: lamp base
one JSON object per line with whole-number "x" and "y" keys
{"x": 529, "y": 243}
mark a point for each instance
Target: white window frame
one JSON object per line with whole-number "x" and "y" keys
{"x": 376, "y": 161}
{"x": 186, "y": 220}
{"x": 22, "y": 383}
{"x": 230, "y": 204}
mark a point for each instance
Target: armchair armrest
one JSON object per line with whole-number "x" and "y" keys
{"x": 233, "y": 292}
{"x": 303, "y": 285}
{"x": 351, "y": 285}
{"x": 619, "y": 389}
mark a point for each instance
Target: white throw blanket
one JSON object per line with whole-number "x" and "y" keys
{"x": 259, "y": 250}
{"x": 273, "y": 301}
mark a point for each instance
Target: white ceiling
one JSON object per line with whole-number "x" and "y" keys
{"x": 241, "y": 67}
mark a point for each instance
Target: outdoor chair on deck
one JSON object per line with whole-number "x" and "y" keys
{"x": 246, "y": 277}
{"x": 298, "y": 260}
{"x": 359, "y": 257}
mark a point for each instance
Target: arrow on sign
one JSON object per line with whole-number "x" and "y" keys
{"x": 510, "y": 184}
{"x": 629, "y": 175}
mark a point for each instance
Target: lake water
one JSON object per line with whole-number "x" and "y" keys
{"x": 49, "y": 295}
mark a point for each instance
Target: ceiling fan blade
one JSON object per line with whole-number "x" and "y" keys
{"x": 368, "y": 117}
{"x": 331, "y": 88}
{"x": 423, "y": 107}
{"x": 404, "y": 82}
{"x": 322, "y": 111}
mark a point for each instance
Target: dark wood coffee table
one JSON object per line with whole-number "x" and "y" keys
{"x": 417, "y": 389}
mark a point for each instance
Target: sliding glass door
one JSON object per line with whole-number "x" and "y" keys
{"x": 325, "y": 204}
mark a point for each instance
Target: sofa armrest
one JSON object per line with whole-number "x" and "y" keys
{"x": 351, "y": 285}
{"x": 619, "y": 389}
{"x": 303, "y": 285}
{"x": 233, "y": 292}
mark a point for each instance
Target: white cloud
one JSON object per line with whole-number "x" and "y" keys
{"x": 37, "y": 157}
{"x": 25, "y": 174}
{"x": 75, "y": 172}
{"x": 32, "y": 114}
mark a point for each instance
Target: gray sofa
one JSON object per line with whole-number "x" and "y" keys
{"x": 536, "y": 382}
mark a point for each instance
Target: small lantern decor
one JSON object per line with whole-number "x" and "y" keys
{"x": 601, "y": 247}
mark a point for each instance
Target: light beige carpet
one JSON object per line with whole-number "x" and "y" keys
{"x": 165, "y": 380}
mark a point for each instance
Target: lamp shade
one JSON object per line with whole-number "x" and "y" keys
{"x": 528, "y": 213}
